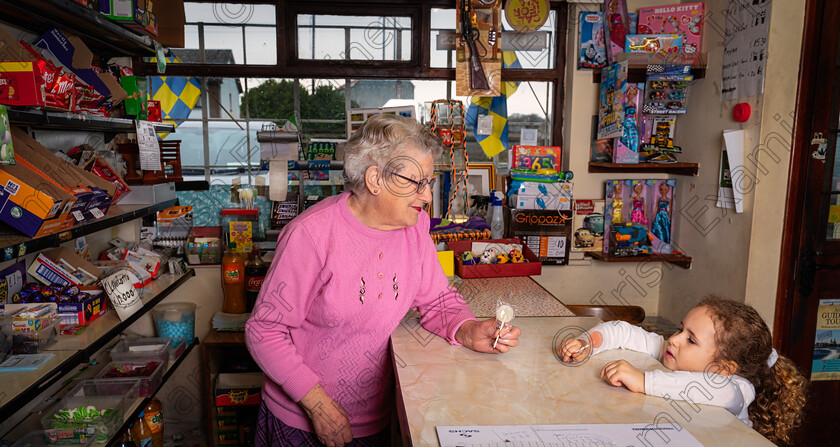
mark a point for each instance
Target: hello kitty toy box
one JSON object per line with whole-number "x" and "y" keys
{"x": 685, "y": 19}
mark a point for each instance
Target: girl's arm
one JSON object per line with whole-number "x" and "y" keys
{"x": 731, "y": 392}
{"x": 623, "y": 335}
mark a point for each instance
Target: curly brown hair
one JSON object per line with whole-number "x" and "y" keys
{"x": 742, "y": 336}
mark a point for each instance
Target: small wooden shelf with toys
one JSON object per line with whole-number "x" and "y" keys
{"x": 638, "y": 62}
{"x": 663, "y": 168}
{"x": 679, "y": 260}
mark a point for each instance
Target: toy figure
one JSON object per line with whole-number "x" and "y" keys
{"x": 489, "y": 256}
{"x": 502, "y": 258}
{"x": 638, "y": 214}
{"x": 630, "y": 136}
{"x": 618, "y": 30}
{"x": 516, "y": 256}
{"x": 467, "y": 258}
{"x": 662, "y": 222}
{"x": 618, "y": 215}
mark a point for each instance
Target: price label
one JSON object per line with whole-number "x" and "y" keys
{"x": 78, "y": 216}
{"x": 97, "y": 213}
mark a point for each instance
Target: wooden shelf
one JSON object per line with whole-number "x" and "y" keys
{"x": 638, "y": 62}
{"x": 103, "y": 36}
{"x": 663, "y": 168}
{"x": 676, "y": 259}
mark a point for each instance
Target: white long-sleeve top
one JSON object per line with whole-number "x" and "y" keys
{"x": 734, "y": 392}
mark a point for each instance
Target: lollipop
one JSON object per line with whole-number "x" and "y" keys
{"x": 504, "y": 314}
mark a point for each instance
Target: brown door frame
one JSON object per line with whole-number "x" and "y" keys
{"x": 786, "y": 302}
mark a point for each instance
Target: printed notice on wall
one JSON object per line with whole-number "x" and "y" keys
{"x": 149, "y": 147}
{"x": 745, "y": 48}
{"x": 826, "y": 361}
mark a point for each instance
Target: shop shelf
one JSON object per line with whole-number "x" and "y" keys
{"x": 638, "y": 62}
{"x": 676, "y": 259}
{"x": 14, "y": 245}
{"x": 44, "y": 119}
{"x": 69, "y": 351}
{"x": 660, "y": 168}
{"x": 132, "y": 415}
{"x": 103, "y": 36}
{"x": 111, "y": 394}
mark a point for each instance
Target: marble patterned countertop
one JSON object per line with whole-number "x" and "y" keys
{"x": 441, "y": 384}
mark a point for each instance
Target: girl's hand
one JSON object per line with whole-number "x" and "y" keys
{"x": 330, "y": 421}
{"x": 568, "y": 349}
{"x": 619, "y": 372}
{"x": 480, "y": 335}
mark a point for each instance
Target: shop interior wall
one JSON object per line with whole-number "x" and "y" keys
{"x": 737, "y": 255}
{"x": 630, "y": 283}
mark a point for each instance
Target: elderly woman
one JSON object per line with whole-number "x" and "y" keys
{"x": 346, "y": 272}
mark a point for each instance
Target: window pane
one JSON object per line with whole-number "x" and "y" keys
{"x": 325, "y": 37}
{"x": 261, "y": 45}
{"x": 229, "y": 13}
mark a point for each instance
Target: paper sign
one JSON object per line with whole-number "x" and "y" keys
{"x": 97, "y": 213}
{"x": 745, "y": 49}
{"x": 741, "y": 181}
{"x": 149, "y": 146}
{"x": 528, "y": 137}
{"x": 485, "y": 125}
{"x": 120, "y": 290}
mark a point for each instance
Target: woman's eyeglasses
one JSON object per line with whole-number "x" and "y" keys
{"x": 421, "y": 184}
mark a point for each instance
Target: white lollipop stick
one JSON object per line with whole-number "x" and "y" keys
{"x": 504, "y": 314}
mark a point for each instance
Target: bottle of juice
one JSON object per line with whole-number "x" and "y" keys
{"x": 153, "y": 415}
{"x": 141, "y": 433}
{"x": 233, "y": 281}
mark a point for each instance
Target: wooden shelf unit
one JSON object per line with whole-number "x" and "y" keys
{"x": 676, "y": 259}
{"x": 659, "y": 168}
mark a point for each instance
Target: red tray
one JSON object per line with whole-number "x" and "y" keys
{"x": 530, "y": 268}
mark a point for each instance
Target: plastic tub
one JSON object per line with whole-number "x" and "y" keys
{"x": 108, "y": 397}
{"x": 142, "y": 349}
{"x": 34, "y": 342}
{"x": 38, "y": 438}
{"x": 175, "y": 321}
{"x": 177, "y": 347}
{"x": 147, "y": 374}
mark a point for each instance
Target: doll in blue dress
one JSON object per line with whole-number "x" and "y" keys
{"x": 662, "y": 222}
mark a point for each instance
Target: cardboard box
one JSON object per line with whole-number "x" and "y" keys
{"x": 51, "y": 267}
{"x": 32, "y": 204}
{"x": 21, "y": 84}
{"x": 547, "y": 233}
{"x": 171, "y": 24}
{"x": 588, "y": 226}
{"x": 532, "y": 267}
{"x": 84, "y": 312}
{"x": 238, "y": 389}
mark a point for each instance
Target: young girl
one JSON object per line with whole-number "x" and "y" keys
{"x": 718, "y": 337}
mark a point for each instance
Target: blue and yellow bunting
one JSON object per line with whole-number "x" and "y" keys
{"x": 177, "y": 95}
{"x": 496, "y": 107}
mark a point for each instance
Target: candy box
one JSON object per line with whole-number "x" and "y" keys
{"x": 33, "y": 318}
{"x": 546, "y": 232}
{"x": 148, "y": 374}
{"x": 35, "y": 342}
{"x": 21, "y": 84}
{"x": 238, "y": 389}
{"x": 86, "y": 311}
{"x": 38, "y": 438}
{"x": 93, "y": 404}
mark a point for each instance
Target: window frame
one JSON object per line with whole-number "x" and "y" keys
{"x": 417, "y": 67}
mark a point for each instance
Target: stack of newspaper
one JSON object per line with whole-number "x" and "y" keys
{"x": 230, "y": 322}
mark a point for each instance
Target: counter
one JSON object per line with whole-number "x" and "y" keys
{"x": 441, "y": 384}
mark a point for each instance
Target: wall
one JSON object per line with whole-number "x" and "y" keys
{"x": 737, "y": 255}
{"x": 598, "y": 282}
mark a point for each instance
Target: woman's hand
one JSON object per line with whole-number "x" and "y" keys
{"x": 619, "y": 372}
{"x": 331, "y": 423}
{"x": 575, "y": 350}
{"x": 480, "y": 336}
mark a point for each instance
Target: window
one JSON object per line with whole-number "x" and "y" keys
{"x": 366, "y": 38}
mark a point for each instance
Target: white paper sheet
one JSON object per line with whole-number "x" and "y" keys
{"x": 734, "y": 142}
{"x": 745, "y": 49}
{"x": 591, "y": 435}
{"x": 278, "y": 179}
{"x": 149, "y": 147}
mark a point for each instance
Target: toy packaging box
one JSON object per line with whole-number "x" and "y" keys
{"x": 685, "y": 19}
{"x": 543, "y": 196}
{"x": 654, "y": 44}
{"x": 591, "y": 46}
{"x": 588, "y": 225}
{"x": 666, "y": 89}
{"x": 547, "y": 233}
{"x": 535, "y": 157}
{"x": 637, "y": 217}
{"x": 610, "y": 111}
{"x": 658, "y": 142}
{"x": 626, "y": 147}
{"x": 616, "y": 24}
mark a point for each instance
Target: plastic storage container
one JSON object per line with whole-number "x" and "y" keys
{"x": 148, "y": 374}
{"x": 34, "y": 342}
{"x": 142, "y": 349}
{"x": 38, "y": 438}
{"x": 177, "y": 347}
{"x": 103, "y": 395}
{"x": 175, "y": 320}
{"x": 242, "y": 226}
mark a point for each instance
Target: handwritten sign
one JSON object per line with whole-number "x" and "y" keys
{"x": 149, "y": 146}
{"x": 745, "y": 48}
{"x": 120, "y": 290}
